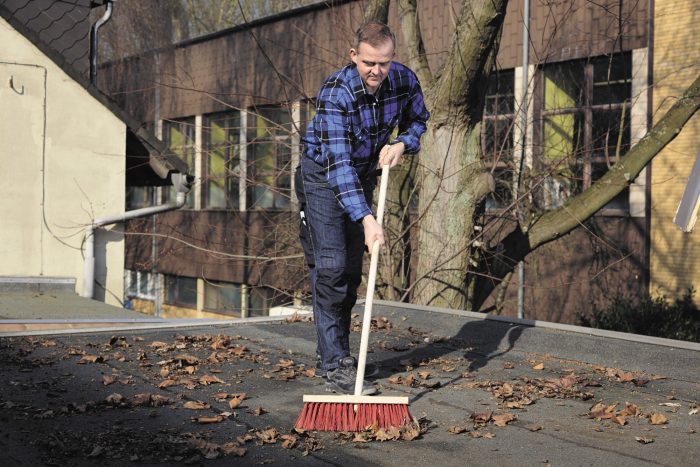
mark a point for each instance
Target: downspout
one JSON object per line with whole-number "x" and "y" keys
{"x": 523, "y": 125}
{"x": 181, "y": 183}
{"x": 93, "y": 40}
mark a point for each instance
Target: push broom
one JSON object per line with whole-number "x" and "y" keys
{"x": 356, "y": 412}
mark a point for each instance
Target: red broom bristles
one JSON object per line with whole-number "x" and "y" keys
{"x": 336, "y": 416}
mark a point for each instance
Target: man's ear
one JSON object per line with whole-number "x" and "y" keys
{"x": 353, "y": 56}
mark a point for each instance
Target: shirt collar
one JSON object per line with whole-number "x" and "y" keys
{"x": 358, "y": 86}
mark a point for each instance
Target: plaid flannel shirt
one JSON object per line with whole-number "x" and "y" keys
{"x": 351, "y": 126}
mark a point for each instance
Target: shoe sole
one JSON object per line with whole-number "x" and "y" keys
{"x": 330, "y": 387}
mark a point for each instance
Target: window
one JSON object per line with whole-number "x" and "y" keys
{"x": 261, "y": 299}
{"x": 139, "y": 197}
{"x": 222, "y": 297}
{"x": 179, "y": 136}
{"x": 585, "y": 125}
{"x": 269, "y": 158}
{"x": 497, "y": 136}
{"x": 139, "y": 284}
{"x": 181, "y": 291}
{"x": 221, "y": 162}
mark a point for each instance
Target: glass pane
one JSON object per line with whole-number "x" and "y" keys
{"x": 500, "y": 94}
{"x": 257, "y": 302}
{"x": 223, "y": 297}
{"x": 181, "y": 290}
{"x": 611, "y": 133}
{"x": 562, "y": 137}
{"x": 502, "y": 196}
{"x": 563, "y": 86}
{"x": 270, "y": 158}
{"x": 612, "y": 79}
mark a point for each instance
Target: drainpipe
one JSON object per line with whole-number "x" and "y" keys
{"x": 523, "y": 136}
{"x": 93, "y": 40}
{"x": 180, "y": 181}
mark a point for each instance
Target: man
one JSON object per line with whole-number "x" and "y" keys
{"x": 357, "y": 109}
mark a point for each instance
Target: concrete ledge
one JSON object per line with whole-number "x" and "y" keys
{"x": 37, "y": 284}
{"x": 678, "y": 344}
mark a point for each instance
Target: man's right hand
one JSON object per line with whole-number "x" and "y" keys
{"x": 373, "y": 232}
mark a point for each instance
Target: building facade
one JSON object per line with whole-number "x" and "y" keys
{"x": 234, "y": 103}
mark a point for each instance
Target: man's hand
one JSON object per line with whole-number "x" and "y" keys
{"x": 391, "y": 154}
{"x": 373, "y": 232}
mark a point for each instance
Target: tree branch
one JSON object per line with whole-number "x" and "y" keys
{"x": 377, "y": 10}
{"x": 560, "y": 221}
{"x": 410, "y": 27}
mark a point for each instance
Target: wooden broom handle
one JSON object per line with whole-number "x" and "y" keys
{"x": 374, "y": 259}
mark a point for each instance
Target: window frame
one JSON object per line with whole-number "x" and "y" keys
{"x": 232, "y": 164}
{"x": 585, "y": 111}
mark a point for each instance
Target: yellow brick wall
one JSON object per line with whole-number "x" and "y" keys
{"x": 675, "y": 256}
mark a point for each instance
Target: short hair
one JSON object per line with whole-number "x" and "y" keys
{"x": 374, "y": 33}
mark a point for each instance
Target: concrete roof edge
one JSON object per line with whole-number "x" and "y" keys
{"x": 138, "y": 325}
{"x": 687, "y": 345}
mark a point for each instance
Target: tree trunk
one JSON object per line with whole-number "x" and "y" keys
{"x": 452, "y": 177}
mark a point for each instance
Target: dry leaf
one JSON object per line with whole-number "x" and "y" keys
{"x": 267, "y": 436}
{"x": 503, "y": 419}
{"x": 489, "y": 435}
{"x": 644, "y": 440}
{"x": 289, "y": 441}
{"x": 91, "y": 359}
{"x": 508, "y": 366}
{"x": 424, "y": 374}
{"x": 535, "y": 427}
{"x": 625, "y": 377}
{"x": 233, "y": 449}
{"x": 190, "y": 369}
{"x": 259, "y": 411}
{"x": 108, "y": 379}
{"x": 658, "y": 419}
{"x": 141, "y": 400}
{"x": 220, "y": 396}
{"x": 196, "y": 405}
{"x": 670, "y": 404}
{"x": 455, "y": 430}
{"x": 166, "y": 383}
{"x": 236, "y": 400}
{"x": 114, "y": 399}
{"x": 538, "y": 366}
{"x": 209, "y": 379}
{"x": 694, "y": 411}
{"x": 208, "y": 420}
{"x": 310, "y": 372}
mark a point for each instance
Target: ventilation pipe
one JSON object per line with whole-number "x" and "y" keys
{"x": 93, "y": 40}
{"x": 181, "y": 182}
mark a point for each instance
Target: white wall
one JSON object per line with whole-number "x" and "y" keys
{"x": 62, "y": 163}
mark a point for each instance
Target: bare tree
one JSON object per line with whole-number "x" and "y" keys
{"x": 453, "y": 179}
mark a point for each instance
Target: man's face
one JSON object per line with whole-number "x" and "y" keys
{"x": 373, "y": 63}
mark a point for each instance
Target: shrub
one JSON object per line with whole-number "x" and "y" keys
{"x": 657, "y": 317}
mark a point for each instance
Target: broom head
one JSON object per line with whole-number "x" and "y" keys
{"x": 352, "y": 413}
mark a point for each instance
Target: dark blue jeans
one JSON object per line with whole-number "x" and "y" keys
{"x": 333, "y": 248}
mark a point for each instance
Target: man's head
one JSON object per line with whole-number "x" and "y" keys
{"x": 372, "y": 53}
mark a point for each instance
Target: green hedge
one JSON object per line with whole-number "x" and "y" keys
{"x": 657, "y": 317}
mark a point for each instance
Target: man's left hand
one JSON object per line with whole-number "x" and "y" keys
{"x": 391, "y": 154}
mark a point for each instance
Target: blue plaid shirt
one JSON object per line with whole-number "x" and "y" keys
{"x": 351, "y": 126}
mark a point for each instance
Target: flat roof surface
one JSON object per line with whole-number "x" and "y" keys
{"x": 162, "y": 396}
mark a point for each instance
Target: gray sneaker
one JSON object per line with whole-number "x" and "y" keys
{"x": 342, "y": 379}
{"x": 371, "y": 370}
